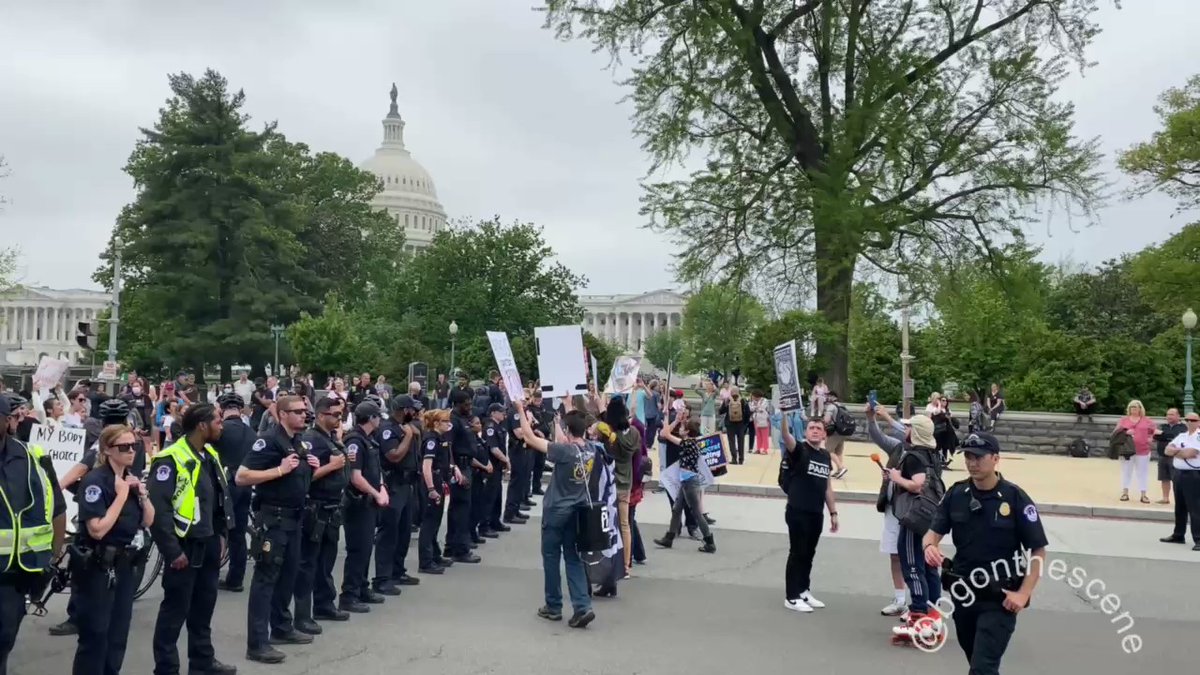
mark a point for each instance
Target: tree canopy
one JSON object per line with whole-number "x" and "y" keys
{"x": 717, "y": 319}
{"x": 1170, "y": 160}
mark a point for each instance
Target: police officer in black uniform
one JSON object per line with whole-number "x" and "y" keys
{"x": 21, "y": 574}
{"x": 495, "y": 438}
{"x": 365, "y": 498}
{"x": 113, "y": 508}
{"x": 280, "y": 466}
{"x": 399, "y": 442}
{"x": 236, "y": 440}
{"x": 315, "y": 592}
{"x": 520, "y": 469}
{"x": 458, "y": 517}
{"x": 994, "y": 525}
{"x": 482, "y": 467}
{"x": 191, "y": 550}
{"x": 437, "y": 471}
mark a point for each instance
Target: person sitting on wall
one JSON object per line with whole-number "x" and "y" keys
{"x": 1085, "y": 404}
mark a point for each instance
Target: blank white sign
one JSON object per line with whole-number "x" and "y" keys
{"x": 561, "y": 365}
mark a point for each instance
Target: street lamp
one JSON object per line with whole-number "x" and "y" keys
{"x": 1189, "y": 323}
{"x": 277, "y": 331}
{"x": 453, "y": 338}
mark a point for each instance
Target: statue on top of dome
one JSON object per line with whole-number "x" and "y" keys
{"x": 394, "y": 93}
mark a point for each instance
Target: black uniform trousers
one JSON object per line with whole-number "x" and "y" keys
{"x": 394, "y": 533}
{"x": 983, "y": 630}
{"x": 14, "y": 586}
{"x": 493, "y": 490}
{"x": 480, "y": 504}
{"x": 240, "y": 499}
{"x": 1187, "y": 502}
{"x": 428, "y": 552}
{"x": 276, "y": 566}
{"x": 361, "y": 516}
{"x": 804, "y": 531}
{"x": 517, "y": 480}
{"x": 318, "y": 553}
{"x": 458, "y": 521}
{"x": 538, "y": 462}
{"x": 103, "y": 618}
{"x": 189, "y": 596}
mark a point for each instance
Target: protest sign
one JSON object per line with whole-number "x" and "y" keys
{"x": 49, "y": 373}
{"x": 507, "y": 365}
{"x": 65, "y": 448}
{"x": 624, "y": 374}
{"x": 786, "y": 376}
{"x": 712, "y": 451}
{"x": 595, "y": 371}
{"x": 561, "y": 365}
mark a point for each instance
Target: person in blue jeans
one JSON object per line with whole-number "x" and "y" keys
{"x": 567, "y": 495}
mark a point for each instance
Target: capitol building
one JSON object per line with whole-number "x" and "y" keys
{"x": 408, "y": 193}
{"x": 37, "y": 322}
{"x": 629, "y": 320}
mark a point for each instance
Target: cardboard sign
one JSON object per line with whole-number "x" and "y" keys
{"x": 786, "y": 376}
{"x": 624, "y": 374}
{"x": 49, "y": 373}
{"x": 561, "y": 364}
{"x": 507, "y": 365}
{"x": 65, "y": 448}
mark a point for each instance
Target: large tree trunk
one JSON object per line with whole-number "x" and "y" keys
{"x": 835, "y": 282}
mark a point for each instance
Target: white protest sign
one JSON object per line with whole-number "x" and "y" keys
{"x": 595, "y": 371}
{"x": 507, "y": 365}
{"x": 49, "y": 373}
{"x": 624, "y": 374}
{"x": 561, "y": 364}
{"x": 65, "y": 448}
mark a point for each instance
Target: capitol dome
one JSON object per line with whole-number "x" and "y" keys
{"x": 408, "y": 193}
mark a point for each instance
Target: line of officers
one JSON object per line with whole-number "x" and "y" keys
{"x": 298, "y": 484}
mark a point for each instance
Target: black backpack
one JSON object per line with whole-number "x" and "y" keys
{"x": 915, "y": 511}
{"x": 1079, "y": 448}
{"x": 843, "y": 423}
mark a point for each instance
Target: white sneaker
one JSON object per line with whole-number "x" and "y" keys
{"x": 797, "y": 605}
{"x": 894, "y": 609}
{"x": 811, "y": 601}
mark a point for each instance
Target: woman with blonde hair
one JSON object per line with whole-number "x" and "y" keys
{"x": 1141, "y": 429}
{"x": 113, "y": 508}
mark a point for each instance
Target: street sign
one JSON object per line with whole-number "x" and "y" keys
{"x": 109, "y": 371}
{"x": 908, "y": 389}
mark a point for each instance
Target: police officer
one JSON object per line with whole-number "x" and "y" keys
{"x": 495, "y": 438}
{"x": 315, "y": 592}
{"x": 365, "y": 498}
{"x": 235, "y": 442}
{"x": 280, "y": 467}
{"x": 191, "y": 510}
{"x": 482, "y": 467}
{"x": 437, "y": 471}
{"x": 458, "y": 517}
{"x": 520, "y": 468}
{"x": 399, "y": 441}
{"x": 113, "y": 507}
{"x": 994, "y": 523}
{"x": 35, "y": 517}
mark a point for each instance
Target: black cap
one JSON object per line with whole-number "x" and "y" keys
{"x": 980, "y": 444}
{"x": 406, "y": 402}
{"x": 5, "y": 409}
{"x": 366, "y": 411}
{"x": 495, "y": 407}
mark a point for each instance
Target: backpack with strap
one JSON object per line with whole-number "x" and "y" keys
{"x": 843, "y": 423}
{"x": 915, "y": 511}
{"x": 594, "y": 525}
{"x": 735, "y": 410}
{"x": 1079, "y": 448}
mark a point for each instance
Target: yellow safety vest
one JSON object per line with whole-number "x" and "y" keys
{"x": 185, "y": 502}
{"x": 27, "y": 537}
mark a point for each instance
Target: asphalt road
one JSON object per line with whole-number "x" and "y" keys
{"x": 686, "y": 612}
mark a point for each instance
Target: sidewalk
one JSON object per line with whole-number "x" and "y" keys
{"x": 1060, "y": 485}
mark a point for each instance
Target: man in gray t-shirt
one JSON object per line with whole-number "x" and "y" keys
{"x": 567, "y": 494}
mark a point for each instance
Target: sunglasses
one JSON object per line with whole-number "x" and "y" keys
{"x": 1192, "y": 421}
{"x": 122, "y": 447}
{"x": 296, "y": 411}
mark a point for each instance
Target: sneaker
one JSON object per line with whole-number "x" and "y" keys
{"x": 811, "y": 601}
{"x": 64, "y": 628}
{"x": 797, "y": 605}
{"x": 894, "y": 609}
{"x": 581, "y": 619}
{"x": 268, "y": 655}
{"x": 549, "y": 614}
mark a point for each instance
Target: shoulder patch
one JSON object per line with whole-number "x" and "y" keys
{"x": 92, "y": 494}
{"x": 306, "y": 445}
{"x": 163, "y": 473}
{"x": 491, "y": 431}
{"x": 1031, "y": 513}
{"x": 431, "y": 444}
{"x": 259, "y": 445}
{"x": 387, "y": 434}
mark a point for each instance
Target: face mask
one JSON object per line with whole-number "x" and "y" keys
{"x": 137, "y": 391}
{"x": 228, "y": 390}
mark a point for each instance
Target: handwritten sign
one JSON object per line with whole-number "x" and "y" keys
{"x": 624, "y": 374}
{"x": 49, "y": 373}
{"x": 65, "y": 448}
{"x": 506, "y": 364}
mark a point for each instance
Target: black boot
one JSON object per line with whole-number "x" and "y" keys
{"x": 709, "y": 546}
{"x": 666, "y": 541}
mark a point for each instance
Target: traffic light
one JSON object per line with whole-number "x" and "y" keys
{"x": 85, "y": 334}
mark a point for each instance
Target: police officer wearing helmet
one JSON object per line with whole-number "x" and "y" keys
{"x": 458, "y": 517}
{"x": 113, "y": 507}
{"x": 399, "y": 441}
{"x": 33, "y": 518}
{"x": 191, "y": 510}
{"x": 994, "y": 525}
{"x": 280, "y": 466}
{"x": 235, "y": 442}
{"x": 495, "y": 438}
{"x": 364, "y": 499}
{"x": 315, "y": 592}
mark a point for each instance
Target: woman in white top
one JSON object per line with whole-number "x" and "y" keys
{"x": 820, "y": 392}
{"x": 339, "y": 391}
{"x": 760, "y": 413}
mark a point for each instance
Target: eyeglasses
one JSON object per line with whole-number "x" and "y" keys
{"x": 122, "y": 447}
{"x": 1192, "y": 421}
{"x": 296, "y": 411}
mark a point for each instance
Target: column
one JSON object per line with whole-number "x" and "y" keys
{"x": 54, "y": 325}
{"x": 610, "y": 327}
{"x": 9, "y": 318}
{"x": 642, "y": 331}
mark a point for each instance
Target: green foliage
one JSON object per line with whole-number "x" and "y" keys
{"x": 806, "y": 328}
{"x": 605, "y": 352}
{"x": 665, "y": 347}
{"x": 1051, "y": 369}
{"x": 1170, "y": 160}
{"x": 874, "y": 348}
{"x": 1168, "y": 275}
{"x": 326, "y": 344}
{"x": 716, "y": 320}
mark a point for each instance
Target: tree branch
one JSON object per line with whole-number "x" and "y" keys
{"x": 793, "y": 16}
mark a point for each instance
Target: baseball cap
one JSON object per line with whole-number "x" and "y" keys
{"x": 921, "y": 431}
{"x": 495, "y": 407}
{"x": 366, "y": 411}
{"x": 980, "y": 444}
{"x": 406, "y": 402}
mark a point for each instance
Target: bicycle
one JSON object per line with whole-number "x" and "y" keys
{"x": 58, "y": 577}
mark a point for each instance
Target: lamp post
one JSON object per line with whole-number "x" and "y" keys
{"x": 1189, "y": 323}
{"x": 453, "y": 338}
{"x": 277, "y": 331}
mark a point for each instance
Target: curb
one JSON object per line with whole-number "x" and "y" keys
{"x": 859, "y": 497}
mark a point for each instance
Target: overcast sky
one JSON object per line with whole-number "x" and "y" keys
{"x": 506, "y": 119}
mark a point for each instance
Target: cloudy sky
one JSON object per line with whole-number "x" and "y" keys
{"x": 506, "y": 119}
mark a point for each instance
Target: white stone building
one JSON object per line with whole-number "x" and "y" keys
{"x": 630, "y": 320}
{"x": 42, "y": 321}
{"x": 408, "y": 194}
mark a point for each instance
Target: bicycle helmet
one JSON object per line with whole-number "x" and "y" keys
{"x": 374, "y": 398}
{"x": 230, "y": 400}
{"x": 16, "y": 400}
{"x": 114, "y": 411}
